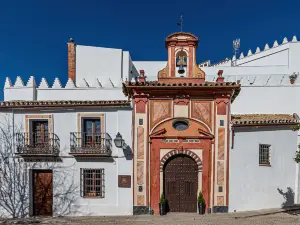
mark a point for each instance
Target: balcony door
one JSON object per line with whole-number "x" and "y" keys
{"x": 40, "y": 133}
{"x": 91, "y": 132}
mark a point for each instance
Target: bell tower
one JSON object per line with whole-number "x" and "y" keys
{"x": 181, "y": 47}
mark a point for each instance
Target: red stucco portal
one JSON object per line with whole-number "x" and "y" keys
{"x": 156, "y": 145}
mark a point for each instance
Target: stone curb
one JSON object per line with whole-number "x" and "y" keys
{"x": 290, "y": 209}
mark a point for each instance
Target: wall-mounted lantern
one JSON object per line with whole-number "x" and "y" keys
{"x": 119, "y": 141}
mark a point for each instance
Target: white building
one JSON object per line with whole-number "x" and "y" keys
{"x": 63, "y": 136}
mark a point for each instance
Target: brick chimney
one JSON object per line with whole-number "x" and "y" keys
{"x": 72, "y": 60}
{"x": 220, "y": 78}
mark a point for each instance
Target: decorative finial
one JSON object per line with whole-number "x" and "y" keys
{"x": 71, "y": 40}
{"x": 180, "y": 23}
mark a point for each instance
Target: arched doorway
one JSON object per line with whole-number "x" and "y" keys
{"x": 181, "y": 183}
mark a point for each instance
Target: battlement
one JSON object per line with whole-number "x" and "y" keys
{"x": 31, "y": 83}
{"x": 250, "y": 53}
{"x": 261, "y": 80}
{"x": 100, "y": 89}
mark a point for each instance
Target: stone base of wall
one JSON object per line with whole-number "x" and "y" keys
{"x": 220, "y": 209}
{"x": 142, "y": 210}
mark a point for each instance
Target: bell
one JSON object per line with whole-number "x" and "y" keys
{"x": 181, "y": 62}
{"x": 181, "y": 70}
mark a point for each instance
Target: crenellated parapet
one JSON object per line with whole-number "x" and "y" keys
{"x": 267, "y": 47}
{"x": 100, "y": 88}
{"x": 250, "y": 53}
{"x": 288, "y": 80}
{"x": 31, "y": 83}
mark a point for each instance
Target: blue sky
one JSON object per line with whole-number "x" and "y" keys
{"x": 34, "y": 33}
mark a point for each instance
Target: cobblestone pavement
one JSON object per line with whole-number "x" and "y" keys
{"x": 182, "y": 219}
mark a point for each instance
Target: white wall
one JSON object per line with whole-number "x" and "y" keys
{"x": 117, "y": 201}
{"x": 151, "y": 68}
{"x": 100, "y": 62}
{"x": 81, "y": 94}
{"x": 253, "y": 187}
{"x": 266, "y": 99}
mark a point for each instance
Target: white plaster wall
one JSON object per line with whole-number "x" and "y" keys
{"x": 81, "y": 94}
{"x": 94, "y": 62}
{"x": 117, "y": 201}
{"x": 20, "y": 93}
{"x": 254, "y": 187}
{"x": 266, "y": 99}
{"x": 151, "y": 68}
{"x": 276, "y": 59}
{"x": 294, "y": 59}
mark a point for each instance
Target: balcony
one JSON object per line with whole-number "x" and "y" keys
{"x": 90, "y": 144}
{"x": 37, "y": 144}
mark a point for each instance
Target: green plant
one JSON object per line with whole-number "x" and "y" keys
{"x": 162, "y": 199}
{"x": 201, "y": 198}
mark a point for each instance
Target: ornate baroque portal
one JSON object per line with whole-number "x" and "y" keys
{"x": 181, "y": 133}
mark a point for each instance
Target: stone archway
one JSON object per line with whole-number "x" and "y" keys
{"x": 183, "y": 152}
{"x": 180, "y": 175}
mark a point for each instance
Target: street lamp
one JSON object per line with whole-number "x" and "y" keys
{"x": 119, "y": 141}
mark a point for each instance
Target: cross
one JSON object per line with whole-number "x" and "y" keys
{"x": 180, "y": 23}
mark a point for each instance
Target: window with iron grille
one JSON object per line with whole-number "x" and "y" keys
{"x": 264, "y": 154}
{"x": 92, "y": 183}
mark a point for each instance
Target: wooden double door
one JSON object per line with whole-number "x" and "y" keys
{"x": 42, "y": 192}
{"x": 181, "y": 184}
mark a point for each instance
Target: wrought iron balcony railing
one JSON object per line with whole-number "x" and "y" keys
{"x": 37, "y": 144}
{"x": 90, "y": 144}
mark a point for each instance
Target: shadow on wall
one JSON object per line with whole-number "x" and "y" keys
{"x": 289, "y": 197}
{"x": 128, "y": 153}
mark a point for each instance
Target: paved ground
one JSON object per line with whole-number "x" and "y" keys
{"x": 182, "y": 219}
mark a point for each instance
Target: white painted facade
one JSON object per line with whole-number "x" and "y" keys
{"x": 266, "y": 88}
{"x": 254, "y": 187}
{"x": 116, "y": 200}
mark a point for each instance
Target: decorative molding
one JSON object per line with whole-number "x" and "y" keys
{"x": 140, "y": 142}
{"x": 202, "y": 110}
{"x": 28, "y": 118}
{"x": 159, "y": 132}
{"x": 140, "y": 105}
{"x": 63, "y": 103}
{"x": 81, "y": 116}
{"x": 159, "y": 110}
{"x": 180, "y": 152}
{"x": 220, "y": 172}
{"x": 140, "y": 172}
{"x": 182, "y": 100}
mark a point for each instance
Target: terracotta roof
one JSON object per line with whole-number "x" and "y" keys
{"x": 63, "y": 103}
{"x": 185, "y": 84}
{"x": 264, "y": 119}
{"x": 179, "y": 85}
{"x": 181, "y": 33}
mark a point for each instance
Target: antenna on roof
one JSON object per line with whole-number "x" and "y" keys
{"x": 236, "y": 46}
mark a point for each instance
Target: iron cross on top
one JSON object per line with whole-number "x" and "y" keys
{"x": 180, "y": 23}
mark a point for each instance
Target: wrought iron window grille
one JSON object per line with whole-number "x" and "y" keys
{"x": 92, "y": 183}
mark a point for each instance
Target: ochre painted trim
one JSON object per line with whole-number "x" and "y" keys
{"x": 91, "y": 115}
{"x": 28, "y": 118}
